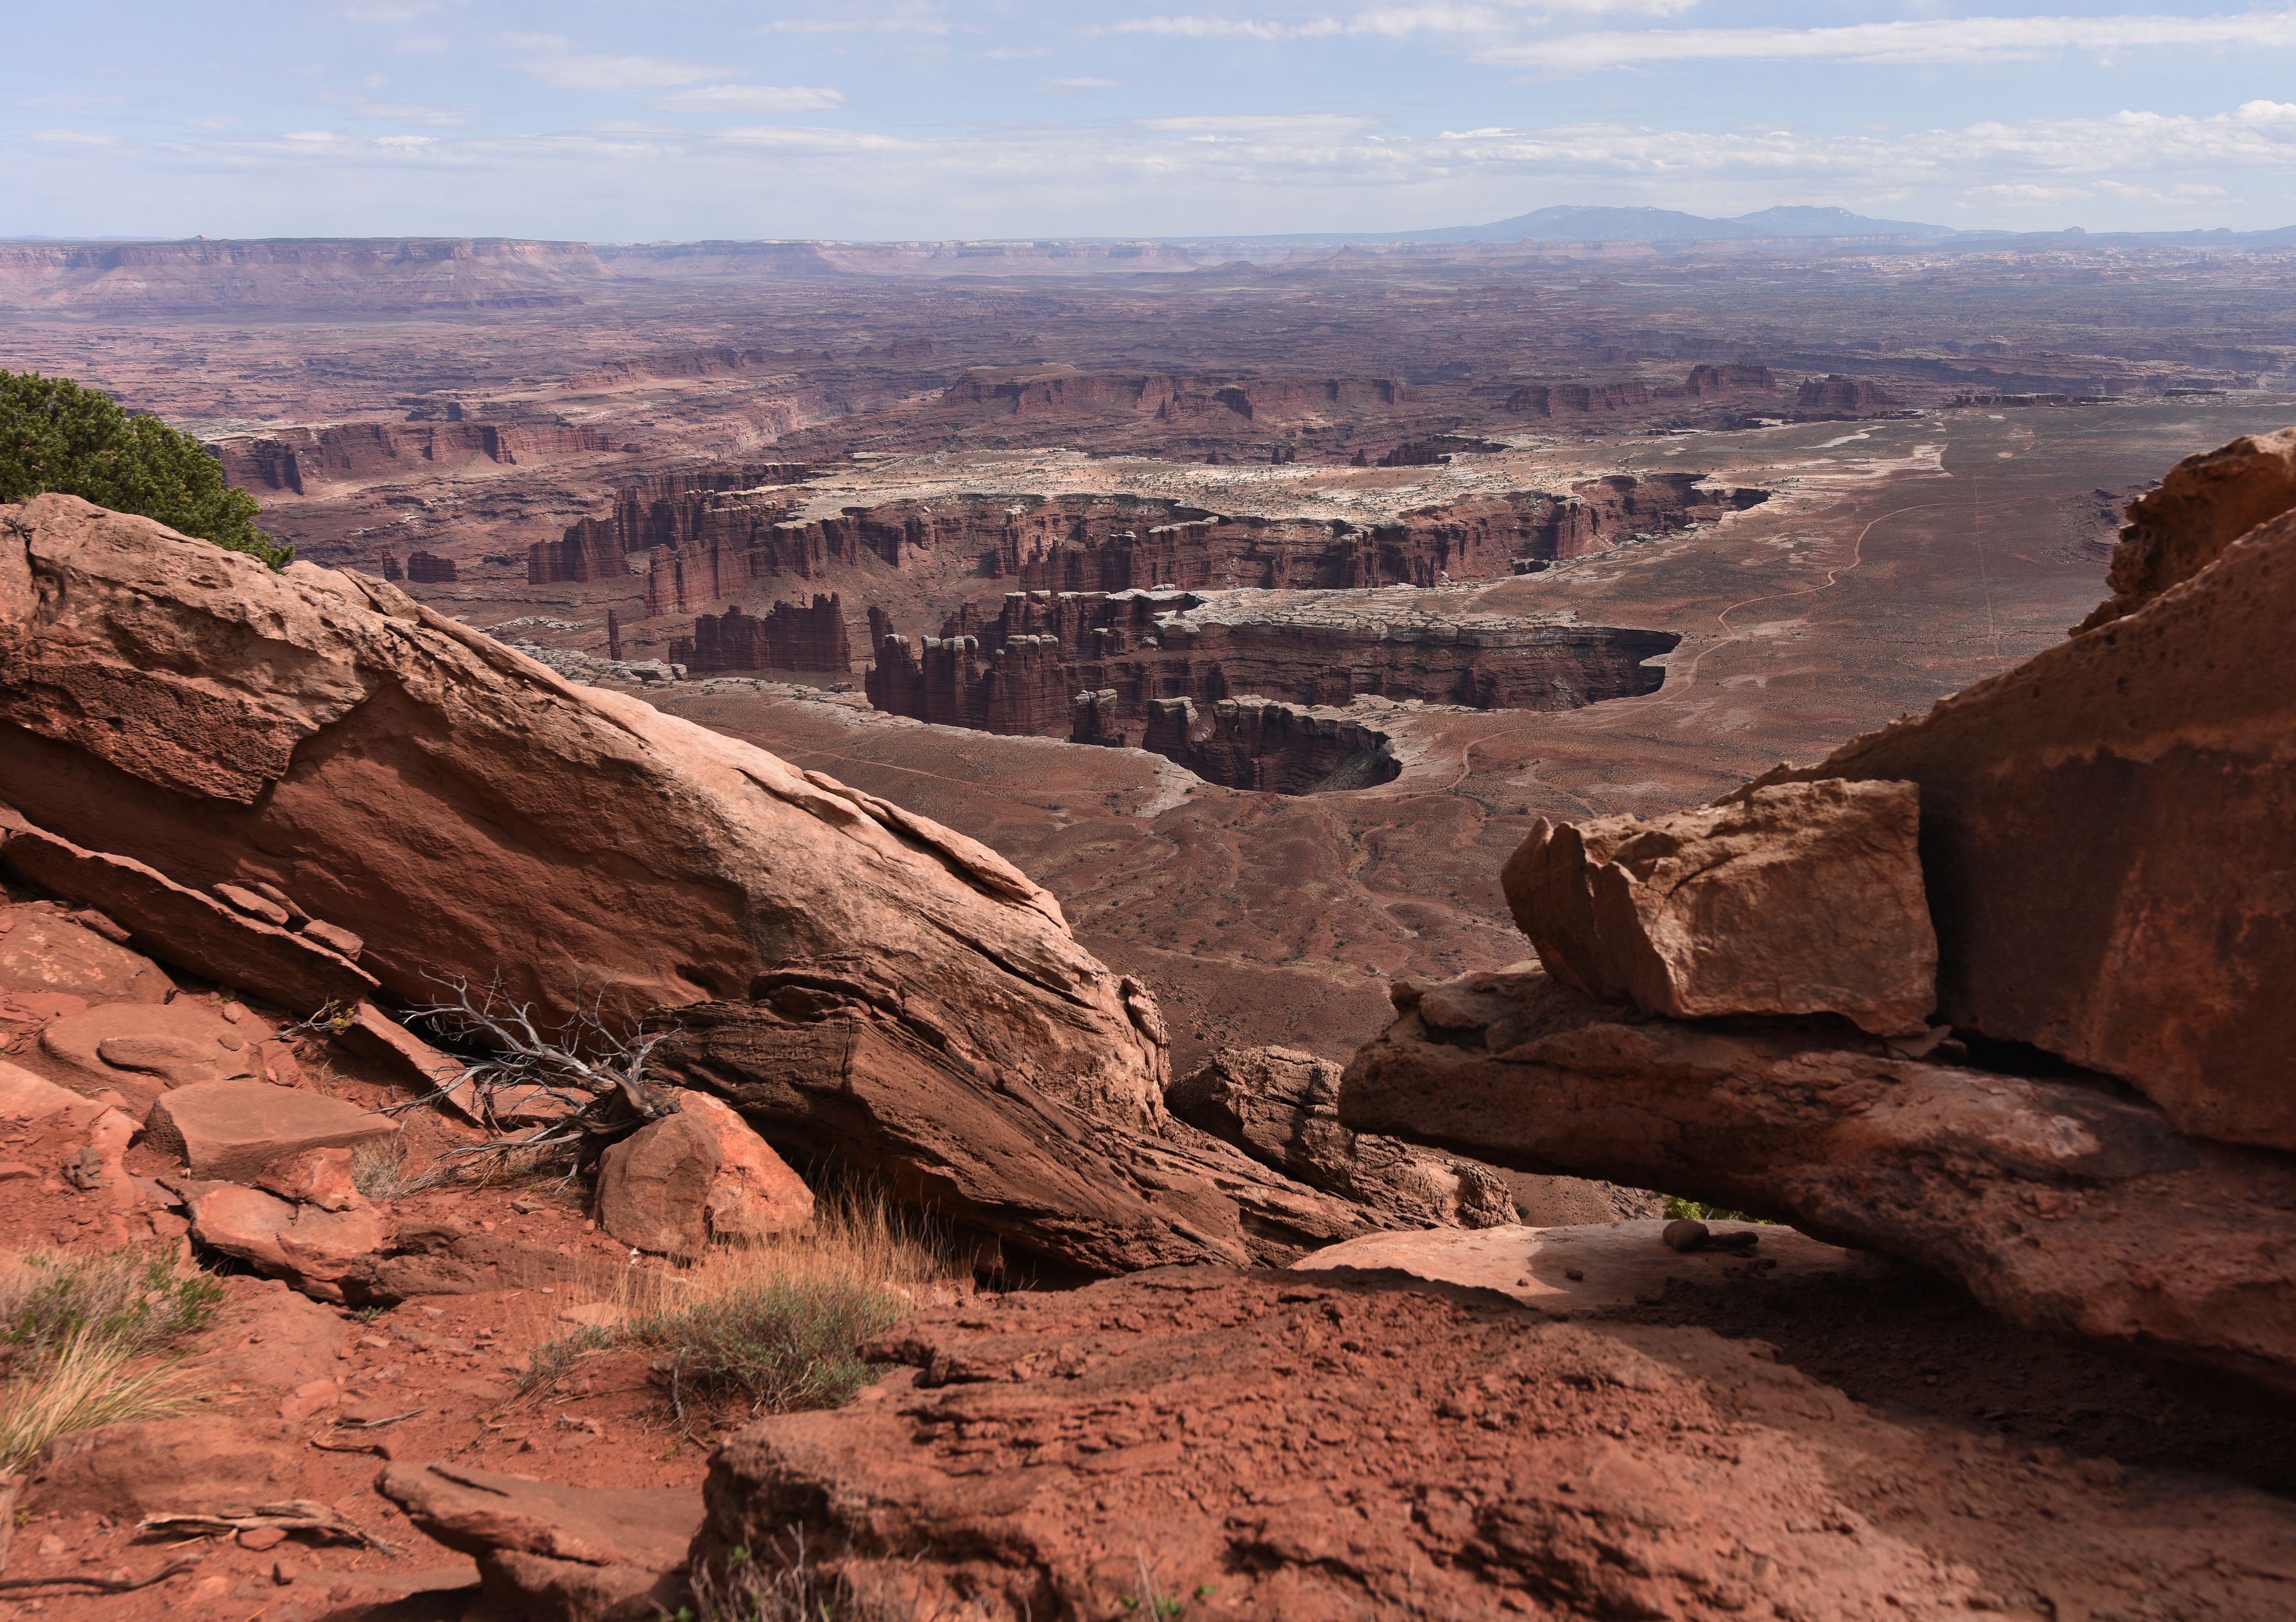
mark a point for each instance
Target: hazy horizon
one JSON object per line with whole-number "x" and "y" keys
{"x": 451, "y": 118}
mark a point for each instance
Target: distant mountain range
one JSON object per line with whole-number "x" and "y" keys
{"x": 1594, "y": 222}
{"x": 1587, "y": 223}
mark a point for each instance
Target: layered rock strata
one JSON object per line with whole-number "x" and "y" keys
{"x": 2058, "y": 1204}
{"x": 1019, "y": 673}
{"x": 347, "y": 452}
{"x": 1251, "y": 744}
{"x": 792, "y": 636}
{"x": 667, "y": 510}
{"x": 1281, "y": 1107}
{"x": 2107, "y": 838}
{"x": 868, "y": 986}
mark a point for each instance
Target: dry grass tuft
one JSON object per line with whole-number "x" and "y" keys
{"x": 76, "y": 1327}
{"x": 776, "y": 1325}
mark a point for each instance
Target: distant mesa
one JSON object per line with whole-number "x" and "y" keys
{"x": 792, "y": 636}
{"x": 347, "y": 452}
{"x": 429, "y": 569}
{"x": 1092, "y": 667}
{"x": 1838, "y": 394}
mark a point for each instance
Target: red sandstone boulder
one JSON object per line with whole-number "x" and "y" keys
{"x": 195, "y": 1465}
{"x": 553, "y": 1553}
{"x": 143, "y": 1048}
{"x": 861, "y": 983}
{"x": 237, "y": 1130}
{"x": 315, "y": 1176}
{"x": 700, "y": 1175}
{"x": 2061, "y": 1205}
{"x": 190, "y": 930}
{"x": 2109, "y": 830}
{"x": 1280, "y": 1106}
{"x": 314, "y": 1249}
{"x": 42, "y": 951}
{"x": 1793, "y": 900}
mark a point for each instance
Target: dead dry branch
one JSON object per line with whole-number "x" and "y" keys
{"x": 544, "y": 1095}
{"x": 296, "y": 1515}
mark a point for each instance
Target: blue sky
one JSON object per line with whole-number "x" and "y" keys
{"x": 646, "y": 120}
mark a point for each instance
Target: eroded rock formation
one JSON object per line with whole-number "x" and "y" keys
{"x": 1020, "y": 672}
{"x": 794, "y": 636}
{"x": 343, "y": 451}
{"x": 2107, "y": 836}
{"x": 862, "y": 983}
{"x": 667, "y": 510}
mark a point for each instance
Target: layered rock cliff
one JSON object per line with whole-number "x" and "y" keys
{"x": 346, "y": 452}
{"x": 794, "y": 636}
{"x": 2059, "y": 901}
{"x": 1019, "y": 672}
{"x": 868, "y": 987}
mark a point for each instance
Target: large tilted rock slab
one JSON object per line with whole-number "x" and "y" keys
{"x": 866, "y": 986}
{"x": 1800, "y": 899}
{"x": 190, "y": 930}
{"x": 2109, "y": 840}
{"x": 1281, "y": 1107}
{"x": 1324, "y": 1448}
{"x": 2058, "y": 1204}
{"x": 236, "y": 1130}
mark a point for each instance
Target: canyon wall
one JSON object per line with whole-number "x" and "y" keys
{"x": 792, "y": 636}
{"x": 343, "y": 451}
{"x": 1020, "y": 672}
{"x": 665, "y": 509}
{"x": 1252, "y": 744}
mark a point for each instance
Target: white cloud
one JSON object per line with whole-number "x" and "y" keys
{"x": 1930, "y": 40}
{"x": 1073, "y": 85}
{"x": 75, "y": 137}
{"x": 751, "y": 98}
{"x": 552, "y": 58}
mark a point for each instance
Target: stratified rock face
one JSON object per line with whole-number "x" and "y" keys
{"x": 721, "y": 541}
{"x": 1019, "y": 673}
{"x": 1281, "y": 1107}
{"x": 429, "y": 569}
{"x": 665, "y": 510}
{"x": 1324, "y": 1449}
{"x": 794, "y": 636}
{"x": 2058, "y": 1204}
{"x": 1839, "y": 393}
{"x": 1794, "y": 900}
{"x": 296, "y": 457}
{"x": 866, "y": 985}
{"x": 2205, "y": 504}
{"x": 2109, "y": 841}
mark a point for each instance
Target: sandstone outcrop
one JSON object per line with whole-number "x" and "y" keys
{"x": 700, "y": 1175}
{"x": 43, "y": 950}
{"x": 791, "y": 636}
{"x": 342, "y": 452}
{"x": 1281, "y": 1107}
{"x": 866, "y": 985}
{"x": 188, "y": 927}
{"x": 1324, "y": 1448}
{"x": 2058, "y": 1204}
{"x": 1796, "y": 899}
{"x": 554, "y": 1554}
{"x": 2109, "y": 830}
{"x": 1019, "y": 672}
{"x": 1838, "y": 394}
{"x": 2106, "y": 835}
{"x": 237, "y": 1130}
{"x": 665, "y": 509}
{"x": 2184, "y": 524}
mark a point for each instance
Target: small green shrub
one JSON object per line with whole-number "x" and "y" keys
{"x": 56, "y": 436}
{"x": 1677, "y": 1208}
{"x": 132, "y": 1299}
{"x": 780, "y": 1344}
